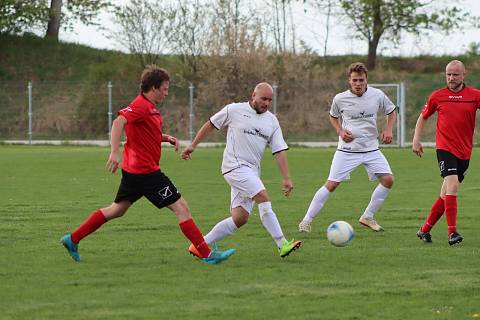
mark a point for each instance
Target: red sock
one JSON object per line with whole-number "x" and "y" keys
{"x": 451, "y": 212}
{"x": 93, "y": 222}
{"x": 191, "y": 231}
{"x": 435, "y": 213}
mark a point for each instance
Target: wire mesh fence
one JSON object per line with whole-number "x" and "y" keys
{"x": 83, "y": 111}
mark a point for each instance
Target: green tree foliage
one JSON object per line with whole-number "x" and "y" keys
{"x": 20, "y": 15}
{"x": 376, "y": 20}
{"x": 63, "y": 16}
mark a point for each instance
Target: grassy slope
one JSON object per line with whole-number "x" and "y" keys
{"x": 137, "y": 267}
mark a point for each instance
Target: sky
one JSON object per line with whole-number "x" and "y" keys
{"x": 341, "y": 41}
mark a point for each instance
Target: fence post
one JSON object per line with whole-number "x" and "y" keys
{"x": 109, "y": 86}
{"x": 30, "y": 113}
{"x": 402, "y": 114}
{"x": 274, "y": 102}
{"x": 399, "y": 116}
{"x": 190, "y": 102}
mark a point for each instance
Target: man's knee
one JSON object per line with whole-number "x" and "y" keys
{"x": 331, "y": 185}
{"x": 451, "y": 184}
{"x": 387, "y": 181}
{"x": 240, "y": 216}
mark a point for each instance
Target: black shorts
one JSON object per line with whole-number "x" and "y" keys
{"x": 155, "y": 186}
{"x": 450, "y": 165}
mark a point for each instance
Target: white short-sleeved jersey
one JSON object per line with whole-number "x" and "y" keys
{"x": 248, "y": 135}
{"x": 359, "y": 116}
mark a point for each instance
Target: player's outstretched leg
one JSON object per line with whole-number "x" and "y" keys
{"x": 288, "y": 247}
{"x": 317, "y": 203}
{"x": 71, "y": 247}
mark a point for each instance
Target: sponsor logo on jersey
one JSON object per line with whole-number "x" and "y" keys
{"x": 255, "y": 132}
{"x": 455, "y": 97}
{"x": 362, "y": 115}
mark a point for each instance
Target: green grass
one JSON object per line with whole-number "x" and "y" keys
{"x": 137, "y": 267}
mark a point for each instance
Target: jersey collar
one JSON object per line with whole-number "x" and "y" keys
{"x": 356, "y": 95}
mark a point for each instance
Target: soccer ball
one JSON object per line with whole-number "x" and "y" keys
{"x": 340, "y": 233}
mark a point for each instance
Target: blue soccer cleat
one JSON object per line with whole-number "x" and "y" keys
{"x": 71, "y": 247}
{"x": 217, "y": 256}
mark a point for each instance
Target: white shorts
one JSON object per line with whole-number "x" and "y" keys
{"x": 245, "y": 184}
{"x": 344, "y": 163}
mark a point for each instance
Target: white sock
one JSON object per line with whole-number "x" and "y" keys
{"x": 378, "y": 196}
{"x": 221, "y": 230}
{"x": 319, "y": 199}
{"x": 270, "y": 222}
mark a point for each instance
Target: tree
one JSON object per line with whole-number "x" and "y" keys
{"x": 327, "y": 9}
{"x": 20, "y": 15}
{"x": 189, "y": 34}
{"x": 235, "y": 42}
{"x": 17, "y": 16}
{"x": 235, "y": 28}
{"x": 144, "y": 29}
{"x": 84, "y": 11}
{"x": 473, "y": 49}
{"x": 376, "y": 20}
{"x": 281, "y": 9}
{"x": 54, "y": 16}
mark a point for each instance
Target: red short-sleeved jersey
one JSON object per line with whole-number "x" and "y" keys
{"x": 456, "y": 119}
{"x": 142, "y": 151}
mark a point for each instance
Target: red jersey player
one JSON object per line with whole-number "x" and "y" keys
{"x": 141, "y": 174}
{"x": 456, "y": 106}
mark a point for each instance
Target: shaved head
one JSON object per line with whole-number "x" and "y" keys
{"x": 262, "y": 97}
{"x": 454, "y": 75}
{"x": 263, "y": 86}
{"x": 456, "y": 64}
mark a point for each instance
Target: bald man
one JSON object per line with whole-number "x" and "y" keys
{"x": 251, "y": 127}
{"x": 456, "y": 106}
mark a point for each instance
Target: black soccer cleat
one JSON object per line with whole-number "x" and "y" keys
{"x": 425, "y": 236}
{"x": 454, "y": 238}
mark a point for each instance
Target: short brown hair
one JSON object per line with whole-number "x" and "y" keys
{"x": 153, "y": 77}
{"x": 357, "y": 67}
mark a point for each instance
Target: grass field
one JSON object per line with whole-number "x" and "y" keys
{"x": 137, "y": 267}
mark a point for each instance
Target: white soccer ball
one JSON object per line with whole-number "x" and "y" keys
{"x": 340, "y": 233}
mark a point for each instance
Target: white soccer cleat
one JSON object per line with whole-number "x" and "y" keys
{"x": 305, "y": 226}
{"x": 370, "y": 223}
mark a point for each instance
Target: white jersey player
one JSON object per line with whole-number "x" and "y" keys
{"x": 251, "y": 127}
{"x": 354, "y": 116}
